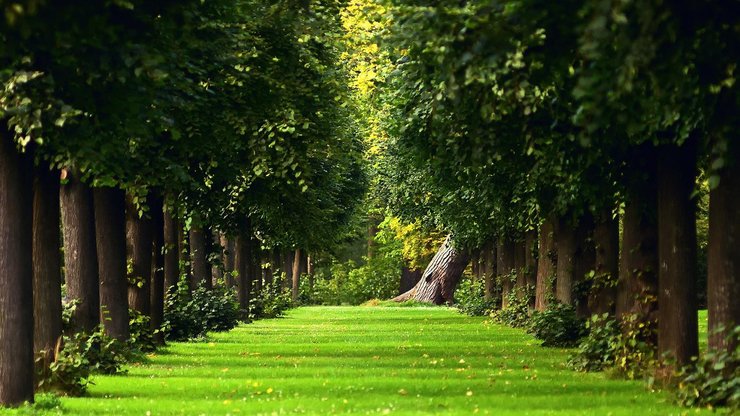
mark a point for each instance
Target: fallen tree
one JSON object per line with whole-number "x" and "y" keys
{"x": 441, "y": 277}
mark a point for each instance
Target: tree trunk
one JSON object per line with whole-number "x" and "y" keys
{"x": 198, "y": 263}
{"x": 255, "y": 266}
{"x": 183, "y": 256}
{"x": 16, "y": 274}
{"x": 229, "y": 255}
{"x": 489, "y": 275}
{"x": 288, "y": 257}
{"x": 80, "y": 253}
{"x": 171, "y": 257}
{"x": 475, "y": 264}
{"x": 603, "y": 294}
{"x": 139, "y": 248}
{"x": 506, "y": 264}
{"x": 243, "y": 254}
{"x": 47, "y": 260}
{"x": 520, "y": 284}
{"x": 110, "y": 231}
{"x": 546, "y": 264}
{"x": 677, "y": 322}
{"x": 217, "y": 267}
{"x": 276, "y": 265}
{"x": 583, "y": 263}
{"x": 723, "y": 283}
{"x": 530, "y": 264}
{"x": 441, "y": 277}
{"x": 156, "y": 301}
{"x": 309, "y": 272}
{"x": 567, "y": 246}
{"x": 295, "y": 288}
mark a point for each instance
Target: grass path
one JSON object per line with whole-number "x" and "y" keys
{"x": 324, "y": 360}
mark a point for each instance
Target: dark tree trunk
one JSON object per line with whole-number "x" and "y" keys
{"x": 520, "y": 284}
{"x": 583, "y": 263}
{"x": 506, "y": 266}
{"x": 183, "y": 255}
{"x": 546, "y": 264}
{"x": 242, "y": 261}
{"x": 287, "y": 257}
{"x": 276, "y": 265}
{"x": 530, "y": 264}
{"x": 156, "y": 301}
{"x": 603, "y": 294}
{"x": 409, "y": 279}
{"x": 489, "y": 274}
{"x": 567, "y": 244}
{"x": 372, "y": 231}
{"x": 80, "y": 253}
{"x": 677, "y": 322}
{"x": 16, "y": 274}
{"x": 47, "y": 260}
{"x": 441, "y": 277}
{"x": 475, "y": 264}
{"x": 637, "y": 287}
{"x": 269, "y": 269}
{"x": 255, "y": 266}
{"x": 295, "y": 287}
{"x": 171, "y": 257}
{"x": 198, "y": 263}
{"x": 217, "y": 267}
{"x": 139, "y": 248}
{"x": 723, "y": 284}
{"x": 229, "y": 255}
{"x": 309, "y": 272}
{"x": 110, "y": 231}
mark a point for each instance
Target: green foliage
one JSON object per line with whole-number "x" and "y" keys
{"x": 76, "y": 358}
{"x": 598, "y": 349}
{"x": 516, "y": 313}
{"x": 141, "y": 334}
{"x": 470, "y": 298}
{"x": 271, "y": 302}
{"x": 189, "y": 316}
{"x": 557, "y": 326}
{"x": 714, "y": 379}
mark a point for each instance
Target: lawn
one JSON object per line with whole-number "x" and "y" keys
{"x": 365, "y": 360}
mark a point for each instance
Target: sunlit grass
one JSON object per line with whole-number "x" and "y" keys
{"x": 365, "y": 360}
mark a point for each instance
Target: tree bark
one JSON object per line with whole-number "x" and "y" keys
{"x": 295, "y": 287}
{"x": 139, "y": 248}
{"x": 723, "y": 283}
{"x": 110, "y": 232}
{"x": 309, "y": 272}
{"x": 677, "y": 322}
{"x": 242, "y": 260}
{"x": 603, "y": 296}
{"x": 156, "y": 300}
{"x": 217, "y": 269}
{"x": 47, "y": 260}
{"x": 530, "y": 265}
{"x": 567, "y": 245}
{"x": 80, "y": 253}
{"x": 546, "y": 264}
{"x": 506, "y": 266}
{"x": 198, "y": 263}
{"x": 489, "y": 275}
{"x": 520, "y": 253}
{"x": 287, "y": 261}
{"x": 276, "y": 264}
{"x": 16, "y": 274}
{"x": 229, "y": 255}
{"x": 583, "y": 263}
{"x": 171, "y": 257}
{"x": 183, "y": 256}
{"x": 441, "y": 277}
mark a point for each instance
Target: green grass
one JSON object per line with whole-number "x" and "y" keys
{"x": 365, "y": 360}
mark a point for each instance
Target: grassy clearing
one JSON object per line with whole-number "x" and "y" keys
{"x": 323, "y": 360}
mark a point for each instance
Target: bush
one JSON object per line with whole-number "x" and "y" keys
{"x": 516, "y": 313}
{"x": 470, "y": 298}
{"x": 714, "y": 379}
{"x": 597, "y": 350}
{"x": 557, "y": 326}
{"x": 189, "y": 316}
{"x": 141, "y": 334}
{"x": 76, "y": 358}
{"x": 270, "y": 302}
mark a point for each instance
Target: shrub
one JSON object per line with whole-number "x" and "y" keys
{"x": 714, "y": 379}
{"x": 597, "y": 350}
{"x": 189, "y": 316}
{"x": 76, "y": 358}
{"x": 516, "y": 313}
{"x": 470, "y": 298}
{"x": 141, "y": 334}
{"x": 557, "y": 326}
{"x": 270, "y": 302}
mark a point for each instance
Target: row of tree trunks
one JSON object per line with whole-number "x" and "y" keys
{"x": 110, "y": 229}
{"x": 603, "y": 295}
{"x": 16, "y": 274}
{"x": 139, "y": 247}
{"x": 441, "y": 277}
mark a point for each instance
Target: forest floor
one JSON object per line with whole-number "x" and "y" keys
{"x": 365, "y": 360}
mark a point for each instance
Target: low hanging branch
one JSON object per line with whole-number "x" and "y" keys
{"x": 441, "y": 277}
